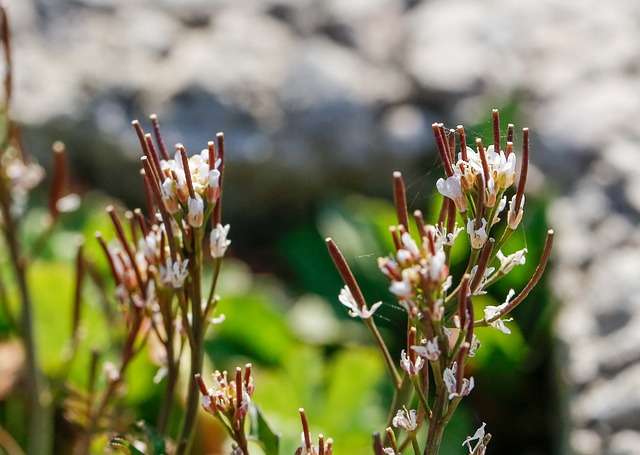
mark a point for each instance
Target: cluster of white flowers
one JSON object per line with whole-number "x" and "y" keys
{"x": 187, "y": 188}
{"x": 415, "y": 270}
{"x": 496, "y": 169}
{"x": 223, "y": 396}
{"x": 202, "y": 171}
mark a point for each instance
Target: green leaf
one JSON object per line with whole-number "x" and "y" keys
{"x": 261, "y": 431}
{"x": 125, "y": 446}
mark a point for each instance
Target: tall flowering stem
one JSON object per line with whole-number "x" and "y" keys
{"x": 441, "y": 336}
{"x": 159, "y": 263}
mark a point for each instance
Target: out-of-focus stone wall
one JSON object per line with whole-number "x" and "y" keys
{"x": 316, "y": 86}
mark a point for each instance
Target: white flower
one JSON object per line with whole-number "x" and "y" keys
{"x": 449, "y": 377}
{"x": 213, "y": 185}
{"x": 491, "y": 192}
{"x": 483, "y": 281}
{"x": 447, "y": 238}
{"x": 160, "y": 374}
{"x": 111, "y": 372}
{"x": 437, "y": 265}
{"x": 404, "y": 257}
{"x": 479, "y": 435}
{"x": 409, "y": 366}
{"x": 491, "y": 311}
{"x": 218, "y": 242}
{"x": 206, "y": 403}
{"x": 404, "y": 289}
{"x": 431, "y": 351}
{"x": 452, "y": 188}
{"x": 389, "y": 267}
{"x": 410, "y": 244}
{"x": 150, "y": 246}
{"x": 501, "y": 205}
{"x": 22, "y": 176}
{"x": 447, "y": 284}
{"x": 477, "y": 237}
{"x": 169, "y": 196}
{"x": 507, "y": 263}
{"x": 475, "y": 345}
{"x": 173, "y": 273}
{"x": 513, "y": 218}
{"x": 195, "y": 217}
{"x": 182, "y": 189}
{"x": 401, "y": 289}
{"x": 406, "y": 420}
{"x": 346, "y": 298}
{"x": 505, "y": 170}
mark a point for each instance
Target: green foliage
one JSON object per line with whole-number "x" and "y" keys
{"x": 254, "y": 326}
{"x": 338, "y": 393}
{"x": 262, "y": 433}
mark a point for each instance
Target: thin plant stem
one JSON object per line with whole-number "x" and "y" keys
{"x": 9, "y": 444}
{"x": 414, "y": 444}
{"x": 393, "y": 371}
{"x": 185, "y": 435}
{"x": 39, "y": 397}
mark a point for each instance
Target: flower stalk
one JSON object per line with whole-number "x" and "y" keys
{"x": 441, "y": 336}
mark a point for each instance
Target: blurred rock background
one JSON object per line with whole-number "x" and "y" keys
{"x": 318, "y": 97}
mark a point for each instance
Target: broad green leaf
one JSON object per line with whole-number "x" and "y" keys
{"x": 261, "y": 431}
